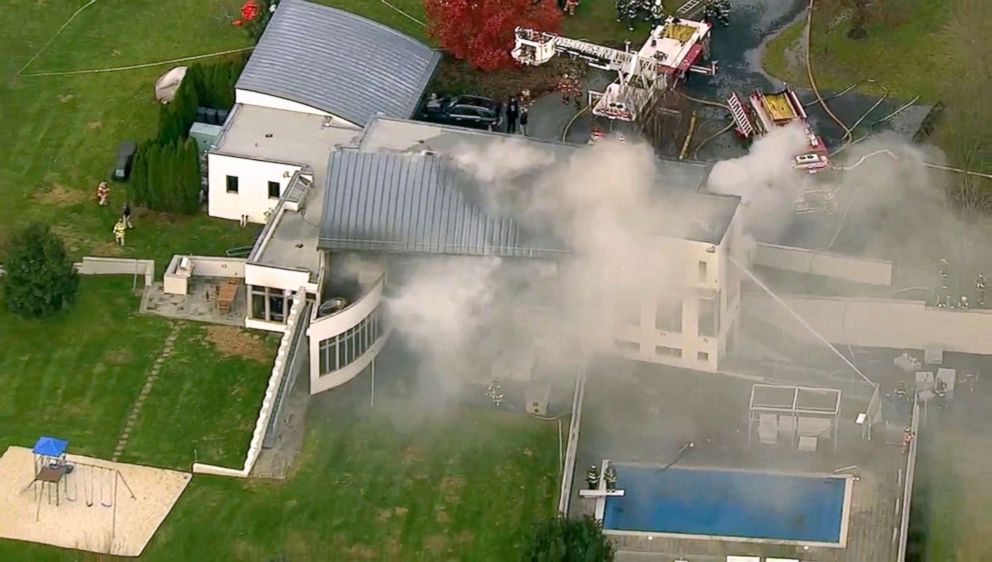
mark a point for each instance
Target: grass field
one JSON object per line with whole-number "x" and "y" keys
{"x": 465, "y": 487}
{"x": 907, "y": 54}
{"x": 76, "y": 376}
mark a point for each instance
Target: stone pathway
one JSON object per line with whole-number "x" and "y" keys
{"x": 170, "y": 341}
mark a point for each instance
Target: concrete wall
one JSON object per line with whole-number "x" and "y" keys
{"x": 890, "y": 323}
{"x": 117, "y": 266}
{"x": 568, "y": 470}
{"x": 210, "y": 266}
{"x": 296, "y": 320}
{"x": 253, "y": 176}
{"x": 330, "y": 326}
{"x": 859, "y": 270}
{"x": 265, "y": 100}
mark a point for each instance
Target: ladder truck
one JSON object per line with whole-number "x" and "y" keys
{"x": 765, "y": 112}
{"x": 672, "y": 50}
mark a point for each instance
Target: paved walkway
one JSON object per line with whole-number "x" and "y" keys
{"x": 132, "y": 418}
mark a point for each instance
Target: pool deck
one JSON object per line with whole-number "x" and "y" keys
{"x": 644, "y": 413}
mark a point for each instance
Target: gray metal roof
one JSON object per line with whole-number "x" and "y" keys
{"x": 414, "y": 204}
{"x": 338, "y": 62}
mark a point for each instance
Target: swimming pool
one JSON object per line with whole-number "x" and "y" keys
{"x": 729, "y": 503}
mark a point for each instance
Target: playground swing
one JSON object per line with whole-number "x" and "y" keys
{"x": 106, "y": 500}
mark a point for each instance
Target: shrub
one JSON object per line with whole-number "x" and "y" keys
{"x": 40, "y": 276}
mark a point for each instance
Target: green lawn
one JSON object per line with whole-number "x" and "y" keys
{"x": 463, "y": 487}
{"x": 76, "y": 376}
{"x": 223, "y": 394}
{"x": 907, "y": 54}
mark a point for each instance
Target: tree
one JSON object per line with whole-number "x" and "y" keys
{"x": 569, "y": 540}
{"x": 481, "y": 31}
{"x": 138, "y": 182}
{"x": 40, "y": 277}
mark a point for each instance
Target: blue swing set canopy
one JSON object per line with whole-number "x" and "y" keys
{"x": 50, "y": 446}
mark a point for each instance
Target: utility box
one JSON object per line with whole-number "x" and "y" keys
{"x": 205, "y": 135}
{"x": 536, "y": 398}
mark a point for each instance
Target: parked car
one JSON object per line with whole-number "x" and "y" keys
{"x": 125, "y": 157}
{"x": 467, "y": 111}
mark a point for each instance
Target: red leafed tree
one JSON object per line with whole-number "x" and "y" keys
{"x": 481, "y": 31}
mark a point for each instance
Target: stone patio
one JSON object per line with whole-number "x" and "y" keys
{"x": 199, "y": 304}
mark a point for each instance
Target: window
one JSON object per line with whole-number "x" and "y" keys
{"x": 339, "y": 351}
{"x": 232, "y": 184}
{"x": 703, "y": 356}
{"x": 668, "y": 316}
{"x": 271, "y": 305}
{"x": 701, "y": 274}
{"x": 273, "y": 190}
{"x": 668, "y": 351}
{"x": 708, "y": 320}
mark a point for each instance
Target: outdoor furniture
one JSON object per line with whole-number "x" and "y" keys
{"x": 226, "y": 294}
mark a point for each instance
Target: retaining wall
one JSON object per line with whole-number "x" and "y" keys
{"x": 280, "y": 368}
{"x": 117, "y": 266}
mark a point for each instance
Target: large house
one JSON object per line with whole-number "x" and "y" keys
{"x": 321, "y": 149}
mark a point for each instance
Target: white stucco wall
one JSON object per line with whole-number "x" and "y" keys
{"x": 330, "y": 326}
{"x": 858, "y": 270}
{"x": 253, "y": 186}
{"x": 265, "y": 100}
{"x": 890, "y": 323}
{"x": 277, "y": 278}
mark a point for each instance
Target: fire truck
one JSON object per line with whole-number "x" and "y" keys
{"x": 673, "y": 49}
{"x": 766, "y": 111}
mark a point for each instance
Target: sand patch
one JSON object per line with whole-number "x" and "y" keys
{"x": 94, "y": 125}
{"x": 231, "y": 341}
{"x": 95, "y": 510}
{"x": 66, "y": 98}
{"x": 60, "y": 196}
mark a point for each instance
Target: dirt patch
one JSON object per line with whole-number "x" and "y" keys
{"x": 115, "y": 53}
{"x": 451, "y": 487}
{"x": 66, "y": 98}
{"x": 384, "y": 514}
{"x": 442, "y": 516}
{"x": 436, "y": 543}
{"x": 94, "y": 125}
{"x": 118, "y": 356}
{"x": 528, "y": 452}
{"x": 455, "y": 77}
{"x": 60, "y": 196}
{"x": 234, "y": 342}
{"x": 400, "y": 511}
{"x": 362, "y": 552}
{"x": 411, "y": 455}
{"x": 466, "y": 537}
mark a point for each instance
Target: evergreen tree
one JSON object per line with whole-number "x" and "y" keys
{"x": 41, "y": 279}
{"x": 567, "y": 540}
{"x": 153, "y": 185}
{"x": 138, "y": 183}
{"x": 191, "y": 177}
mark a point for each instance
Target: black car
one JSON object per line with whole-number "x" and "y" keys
{"x": 125, "y": 157}
{"x": 467, "y": 111}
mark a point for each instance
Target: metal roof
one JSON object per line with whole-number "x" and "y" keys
{"x": 414, "y": 204}
{"x": 338, "y": 62}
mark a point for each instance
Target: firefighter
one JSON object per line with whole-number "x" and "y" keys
{"x": 963, "y": 303}
{"x": 570, "y": 6}
{"x": 570, "y": 90}
{"x": 945, "y": 270}
{"x": 907, "y": 438}
{"x": 119, "y": 230}
{"x": 102, "y": 193}
{"x": 631, "y": 13}
{"x": 657, "y": 13}
{"x": 610, "y": 477}
{"x": 980, "y": 285}
{"x": 592, "y": 477}
{"x": 621, "y": 6}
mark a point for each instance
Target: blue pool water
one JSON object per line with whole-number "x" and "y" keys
{"x": 727, "y": 503}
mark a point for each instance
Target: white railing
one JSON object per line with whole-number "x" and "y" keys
{"x": 907, "y": 494}
{"x": 573, "y": 443}
{"x": 268, "y": 401}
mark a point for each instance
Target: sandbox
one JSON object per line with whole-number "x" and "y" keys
{"x": 91, "y": 508}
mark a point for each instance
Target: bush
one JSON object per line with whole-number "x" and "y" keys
{"x": 40, "y": 277}
{"x": 567, "y": 540}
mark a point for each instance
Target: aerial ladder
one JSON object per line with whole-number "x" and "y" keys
{"x": 670, "y": 52}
